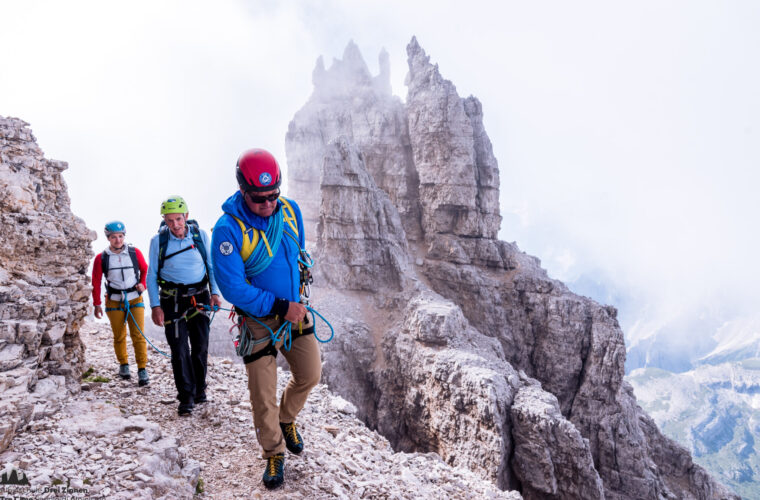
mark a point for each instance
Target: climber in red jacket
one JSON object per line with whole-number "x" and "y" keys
{"x": 125, "y": 271}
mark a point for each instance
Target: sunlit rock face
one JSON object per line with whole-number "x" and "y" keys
{"x": 44, "y": 286}
{"x": 458, "y": 174}
{"x": 449, "y": 340}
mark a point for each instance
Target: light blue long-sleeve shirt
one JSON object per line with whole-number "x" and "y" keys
{"x": 185, "y": 268}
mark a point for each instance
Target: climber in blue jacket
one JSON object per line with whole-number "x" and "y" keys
{"x": 255, "y": 248}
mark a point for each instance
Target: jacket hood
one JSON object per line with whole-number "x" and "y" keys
{"x": 235, "y": 205}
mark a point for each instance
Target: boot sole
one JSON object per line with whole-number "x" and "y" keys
{"x": 270, "y": 486}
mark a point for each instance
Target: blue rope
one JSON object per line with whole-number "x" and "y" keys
{"x": 284, "y": 332}
{"x": 128, "y": 314}
{"x": 213, "y": 310}
{"x": 332, "y": 330}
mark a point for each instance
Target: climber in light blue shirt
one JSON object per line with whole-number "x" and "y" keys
{"x": 180, "y": 266}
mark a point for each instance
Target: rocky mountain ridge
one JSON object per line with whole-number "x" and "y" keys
{"x": 459, "y": 343}
{"x": 44, "y": 285}
{"x": 116, "y": 440}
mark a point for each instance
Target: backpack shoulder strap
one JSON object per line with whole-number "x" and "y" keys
{"x": 289, "y": 215}
{"x": 195, "y": 231}
{"x": 163, "y": 242}
{"x": 104, "y": 264}
{"x": 250, "y": 238}
{"x": 135, "y": 265}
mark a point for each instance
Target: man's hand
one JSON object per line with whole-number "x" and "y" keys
{"x": 139, "y": 288}
{"x": 157, "y": 315}
{"x": 98, "y": 312}
{"x": 215, "y": 302}
{"x": 296, "y": 312}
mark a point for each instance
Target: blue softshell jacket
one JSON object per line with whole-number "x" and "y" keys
{"x": 281, "y": 280}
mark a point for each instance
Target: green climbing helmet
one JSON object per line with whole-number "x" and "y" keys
{"x": 174, "y": 205}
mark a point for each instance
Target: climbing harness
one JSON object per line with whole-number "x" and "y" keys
{"x": 244, "y": 342}
{"x": 184, "y": 291}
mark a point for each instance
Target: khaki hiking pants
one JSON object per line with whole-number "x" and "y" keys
{"x": 305, "y": 368}
{"x": 119, "y": 328}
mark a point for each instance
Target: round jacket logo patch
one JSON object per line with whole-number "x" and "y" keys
{"x": 265, "y": 179}
{"x": 225, "y": 248}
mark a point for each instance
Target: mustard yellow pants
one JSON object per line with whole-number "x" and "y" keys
{"x": 305, "y": 369}
{"x": 119, "y": 327}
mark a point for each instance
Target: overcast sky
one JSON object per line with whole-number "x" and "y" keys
{"x": 626, "y": 132}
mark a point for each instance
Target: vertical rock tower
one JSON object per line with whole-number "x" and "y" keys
{"x": 449, "y": 340}
{"x": 44, "y": 286}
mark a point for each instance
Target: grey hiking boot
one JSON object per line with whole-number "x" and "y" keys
{"x": 124, "y": 372}
{"x": 142, "y": 377}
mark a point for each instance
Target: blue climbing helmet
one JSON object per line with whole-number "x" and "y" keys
{"x": 115, "y": 226}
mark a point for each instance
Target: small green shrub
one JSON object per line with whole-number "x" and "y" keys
{"x": 199, "y": 487}
{"x": 89, "y": 372}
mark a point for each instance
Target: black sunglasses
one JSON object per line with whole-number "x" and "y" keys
{"x": 262, "y": 199}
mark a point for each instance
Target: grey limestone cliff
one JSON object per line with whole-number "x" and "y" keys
{"x": 44, "y": 286}
{"x": 450, "y": 340}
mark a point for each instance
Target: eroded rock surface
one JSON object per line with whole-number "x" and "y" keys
{"x": 450, "y": 340}
{"x": 44, "y": 286}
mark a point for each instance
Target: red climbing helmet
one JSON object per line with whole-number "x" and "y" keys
{"x": 258, "y": 171}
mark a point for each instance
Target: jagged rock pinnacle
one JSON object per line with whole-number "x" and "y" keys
{"x": 456, "y": 335}
{"x": 383, "y": 79}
